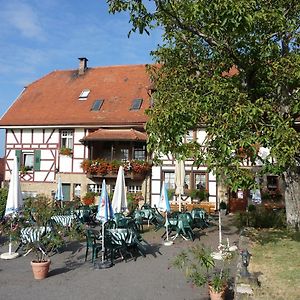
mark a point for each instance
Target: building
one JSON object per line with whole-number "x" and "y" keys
{"x": 79, "y": 124}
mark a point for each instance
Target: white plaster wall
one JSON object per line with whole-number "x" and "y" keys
{"x": 155, "y": 187}
{"x": 201, "y": 135}
{"x": 47, "y": 154}
{"x": 41, "y": 176}
{"x": 212, "y": 188}
{"x": 76, "y": 166}
{"x": 46, "y": 165}
{"x": 65, "y": 163}
{"x": 54, "y": 137}
{"x": 13, "y": 138}
{"x": 78, "y": 134}
{"x": 27, "y": 137}
{"x": 37, "y": 136}
{"x": 154, "y": 200}
{"x": 155, "y": 172}
{"x": 78, "y": 151}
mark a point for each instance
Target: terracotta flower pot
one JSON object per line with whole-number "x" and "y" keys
{"x": 216, "y": 295}
{"x": 40, "y": 269}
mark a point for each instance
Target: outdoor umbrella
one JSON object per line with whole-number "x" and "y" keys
{"x": 179, "y": 180}
{"x": 14, "y": 202}
{"x": 164, "y": 205}
{"x": 119, "y": 201}
{"x": 105, "y": 213}
{"x": 59, "y": 196}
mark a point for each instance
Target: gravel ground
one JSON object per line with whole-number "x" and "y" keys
{"x": 147, "y": 278}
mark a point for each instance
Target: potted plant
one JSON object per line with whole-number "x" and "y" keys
{"x": 36, "y": 232}
{"x": 223, "y": 208}
{"x": 65, "y": 151}
{"x": 89, "y": 198}
{"x": 200, "y": 268}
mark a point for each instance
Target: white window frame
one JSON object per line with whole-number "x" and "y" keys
{"x": 66, "y": 139}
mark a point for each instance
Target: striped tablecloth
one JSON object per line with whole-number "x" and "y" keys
{"x": 33, "y": 234}
{"x": 65, "y": 220}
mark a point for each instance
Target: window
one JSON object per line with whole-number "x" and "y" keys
{"x": 124, "y": 154}
{"x": 189, "y": 137}
{"x": 84, "y": 94}
{"x": 200, "y": 181}
{"x": 136, "y": 104}
{"x": 139, "y": 153}
{"x": 169, "y": 178}
{"x": 187, "y": 181}
{"x": 97, "y": 105}
{"x": 28, "y": 160}
{"x": 134, "y": 189}
{"x": 66, "y": 139}
{"x": 96, "y": 188}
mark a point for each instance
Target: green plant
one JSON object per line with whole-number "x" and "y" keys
{"x": 222, "y": 205}
{"x": 25, "y": 169}
{"x": 65, "y": 151}
{"x": 200, "y": 194}
{"x": 133, "y": 200}
{"x": 89, "y": 198}
{"x": 171, "y": 193}
{"x": 3, "y": 199}
{"x": 37, "y": 214}
{"x": 199, "y": 267}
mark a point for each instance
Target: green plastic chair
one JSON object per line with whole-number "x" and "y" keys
{"x": 92, "y": 243}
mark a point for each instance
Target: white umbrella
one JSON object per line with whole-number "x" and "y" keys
{"x": 59, "y": 196}
{"x": 119, "y": 201}
{"x": 179, "y": 180}
{"x": 164, "y": 205}
{"x": 14, "y": 203}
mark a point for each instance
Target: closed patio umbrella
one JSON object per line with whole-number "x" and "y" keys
{"x": 164, "y": 205}
{"x": 179, "y": 180}
{"x": 119, "y": 201}
{"x": 105, "y": 213}
{"x": 14, "y": 203}
{"x": 59, "y": 196}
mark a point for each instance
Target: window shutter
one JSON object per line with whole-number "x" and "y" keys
{"x": 37, "y": 160}
{"x": 18, "y": 155}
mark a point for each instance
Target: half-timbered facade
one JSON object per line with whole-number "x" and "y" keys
{"x": 90, "y": 115}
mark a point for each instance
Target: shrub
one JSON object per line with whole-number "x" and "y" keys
{"x": 3, "y": 200}
{"x": 261, "y": 218}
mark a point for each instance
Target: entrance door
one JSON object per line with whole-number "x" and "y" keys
{"x": 66, "y": 188}
{"x": 238, "y": 200}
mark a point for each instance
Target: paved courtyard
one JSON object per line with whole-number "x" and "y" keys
{"x": 148, "y": 278}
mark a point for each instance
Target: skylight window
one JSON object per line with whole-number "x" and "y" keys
{"x": 97, "y": 105}
{"x": 136, "y": 104}
{"x": 84, "y": 94}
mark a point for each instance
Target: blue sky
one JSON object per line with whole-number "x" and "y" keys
{"x": 37, "y": 37}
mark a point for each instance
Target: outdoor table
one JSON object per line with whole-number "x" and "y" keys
{"x": 33, "y": 234}
{"x": 122, "y": 234}
{"x": 64, "y": 220}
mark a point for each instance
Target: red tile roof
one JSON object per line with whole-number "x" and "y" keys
{"x": 53, "y": 99}
{"x": 116, "y": 135}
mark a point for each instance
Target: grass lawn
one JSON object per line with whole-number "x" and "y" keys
{"x": 276, "y": 261}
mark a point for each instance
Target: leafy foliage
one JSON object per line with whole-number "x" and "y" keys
{"x": 233, "y": 66}
{"x": 200, "y": 267}
{"x": 3, "y": 199}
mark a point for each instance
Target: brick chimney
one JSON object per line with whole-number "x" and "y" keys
{"x": 82, "y": 65}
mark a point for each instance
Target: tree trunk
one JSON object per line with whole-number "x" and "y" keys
{"x": 292, "y": 198}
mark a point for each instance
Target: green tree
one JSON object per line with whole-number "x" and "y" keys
{"x": 232, "y": 66}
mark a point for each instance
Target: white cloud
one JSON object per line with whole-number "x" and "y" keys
{"x": 23, "y": 18}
